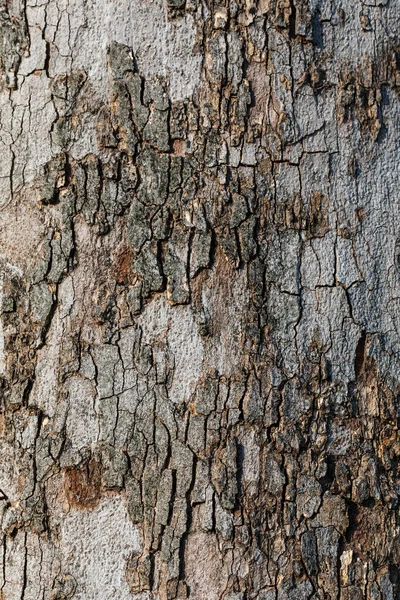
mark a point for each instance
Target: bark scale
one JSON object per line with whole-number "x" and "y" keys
{"x": 200, "y": 294}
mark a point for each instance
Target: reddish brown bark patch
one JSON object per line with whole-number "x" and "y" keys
{"x": 180, "y": 147}
{"x": 123, "y": 266}
{"x": 82, "y": 485}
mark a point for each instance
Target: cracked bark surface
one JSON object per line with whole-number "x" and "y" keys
{"x": 200, "y": 294}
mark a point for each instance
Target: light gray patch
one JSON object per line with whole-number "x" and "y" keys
{"x": 96, "y": 545}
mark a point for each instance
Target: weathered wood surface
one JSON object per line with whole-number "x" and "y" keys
{"x": 200, "y": 305}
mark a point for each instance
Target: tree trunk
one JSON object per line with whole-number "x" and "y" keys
{"x": 200, "y": 306}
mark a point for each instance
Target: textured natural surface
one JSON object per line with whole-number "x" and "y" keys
{"x": 200, "y": 300}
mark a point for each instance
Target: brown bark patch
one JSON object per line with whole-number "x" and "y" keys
{"x": 82, "y": 485}
{"x": 123, "y": 266}
{"x": 368, "y": 526}
{"x": 318, "y": 214}
{"x": 220, "y": 280}
{"x": 180, "y": 147}
{"x": 376, "y": 398}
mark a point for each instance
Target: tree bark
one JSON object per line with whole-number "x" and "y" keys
{"x": 200, "y": 300}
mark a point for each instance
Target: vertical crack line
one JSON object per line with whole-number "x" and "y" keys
{"x": 46, "y": 66}
{"x": 25, "y": 572}
{"x": 360, "y": 355}
{"x": 292, "y": 20}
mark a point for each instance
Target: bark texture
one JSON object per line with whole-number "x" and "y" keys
{"x": 200, "y": 299}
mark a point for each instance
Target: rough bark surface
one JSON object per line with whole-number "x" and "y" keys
{"x": 200, "y": 300}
